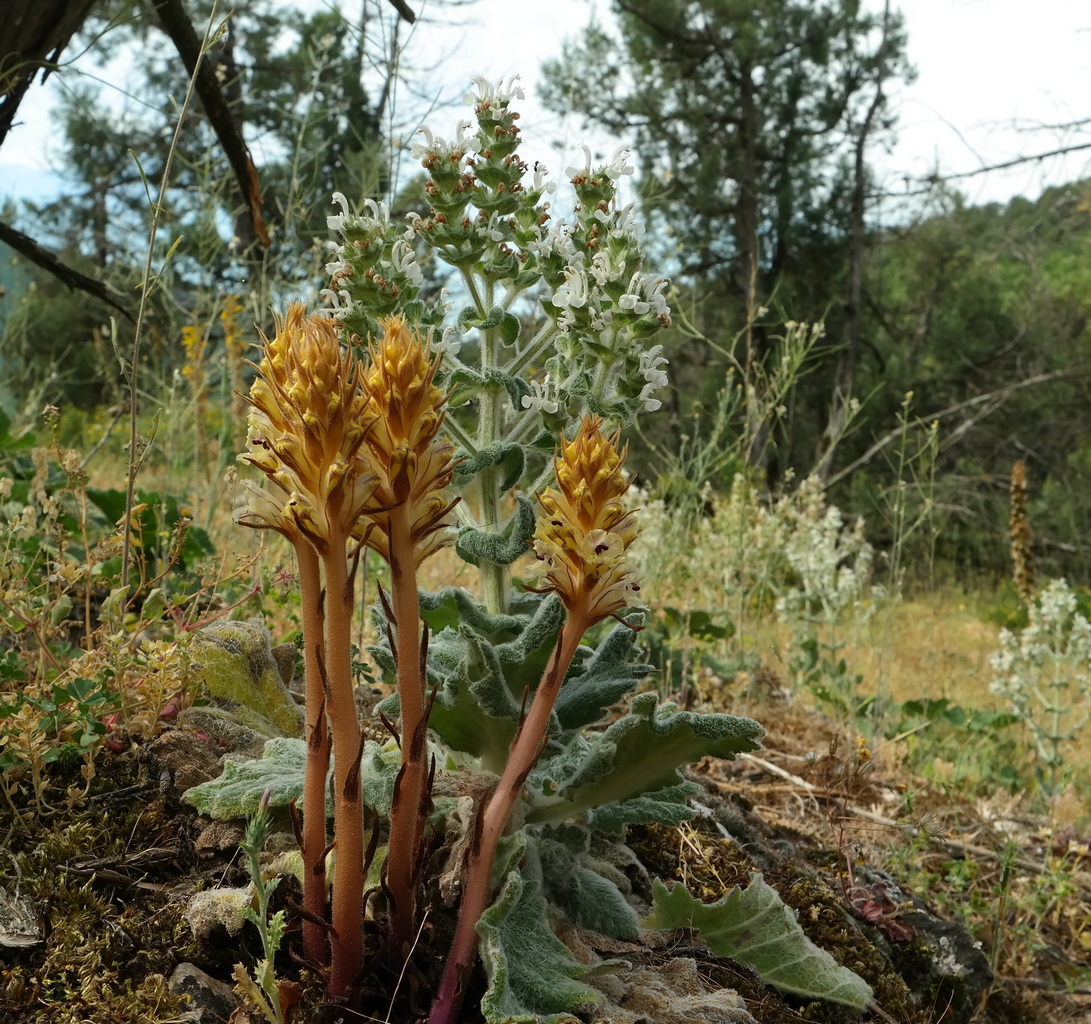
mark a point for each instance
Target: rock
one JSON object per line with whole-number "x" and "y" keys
{"x": 238, "y": 666}
{"x": 210, "y": 1001}
{"x": 216, "y": 837}
{"x": 180, "y": 760}
{"x": 224, "y": 728}
{"x": 941, "y": 963}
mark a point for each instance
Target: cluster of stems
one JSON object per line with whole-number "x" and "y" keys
{"x": 356, "y": 460}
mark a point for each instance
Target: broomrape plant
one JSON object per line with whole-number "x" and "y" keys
{"x": 378, "y": 424}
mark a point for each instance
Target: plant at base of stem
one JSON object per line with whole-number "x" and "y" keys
{"x": 307, "y": 423}
{"x": 272, "y": 997}
{"x": 581, "y": 541}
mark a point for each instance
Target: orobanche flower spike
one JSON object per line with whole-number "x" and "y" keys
{"x": 308, "y": 419}
{"x": 583, "y": 536}
{"x": 412, "y": 461}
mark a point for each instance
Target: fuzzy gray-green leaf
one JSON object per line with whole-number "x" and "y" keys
{"x": 639, "y": 754}
{"x": 533, "y": 977}
{"x": 753, "y": 926}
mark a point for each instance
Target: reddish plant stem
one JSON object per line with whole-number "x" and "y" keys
{"x": 477, "y": 888}
{"x": 405, "y": 816}
{"x": 347, "y": 917}
{"x": 313, "y": 847}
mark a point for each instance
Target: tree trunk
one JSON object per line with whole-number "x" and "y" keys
{"x": 33, "y": 34}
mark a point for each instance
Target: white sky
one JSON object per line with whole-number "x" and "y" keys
{"x": 988, "y": 71}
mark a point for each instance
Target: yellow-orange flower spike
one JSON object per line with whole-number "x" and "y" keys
{"x": 307, "y": 423}
{"x": 584, "y": 532}
{"x": 411, "y": 461}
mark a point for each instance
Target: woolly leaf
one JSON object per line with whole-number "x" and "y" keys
{"x": 753, "y": 926}
{"x": 509, "y": 329}
{"x": 475, "y": 545}
{"x": 516, "y": 387}
{"x": 239, "y": 790}
{"x": 507, "y": 455}
{"x": 641, "y": 753}
{"x": 533, "y": 977}
{"x": 606, "y": 678}
{"x": 663, "y": 807}
{"x": 474, "y": 710}
{"x": 585, "y": 895}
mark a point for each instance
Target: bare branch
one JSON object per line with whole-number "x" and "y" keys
{"x": 26, "y": 246}
{"x": 994, "y": 399}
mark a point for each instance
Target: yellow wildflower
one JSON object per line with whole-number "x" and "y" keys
{"x": 411, "y": 461}
{"x": 584, "y": 531}
{"x": 306, "y": 426}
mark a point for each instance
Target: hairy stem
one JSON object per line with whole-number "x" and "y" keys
{"x": 525, "y": 749}
{"x": 405, "y": 814}
{"x": 317, "y": 766}
{"x": 348, "y": 886}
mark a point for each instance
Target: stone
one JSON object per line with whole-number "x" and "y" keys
{"x": 210, "y": 1001}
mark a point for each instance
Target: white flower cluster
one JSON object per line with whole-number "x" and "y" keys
{"x": 489, "y": 94}
{"x": 831, "y": 562}
{"x": 618, "y": 166}
{"x": 1044, "y": 672}
{"x": 655, "y": 377}
{"x": 467, "y": 145}
{"x": 375, "y": 221}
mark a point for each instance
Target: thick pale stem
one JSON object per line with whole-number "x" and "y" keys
{"x": 405, "y": 816}
{"x": 524, "y": 752}
{"x": 318, "y": 757}
{"x": 348, "y": 888}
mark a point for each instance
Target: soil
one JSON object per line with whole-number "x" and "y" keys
{"x": 94, "y": 890}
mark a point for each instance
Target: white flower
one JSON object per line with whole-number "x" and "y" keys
{"x": 604, "y": 270}
{"x": 337, "y": 222}
{"x": 403, "y": 261}
{"x": 497, "y": 95}
{"x": 379, "y": 213}
{"x": 585, "y": 170}
{"x": 617, "y": 167}
{"x": 645, "y": 294}
{"x": 493, "y": 230}
{"x": 338, "y": 303}
{"x": 573, "y": 293}
{"x": 438, "y": 146}
{"x": 650, "y": 363}
{"x": 541, "y": 179}
{"x": 544, "y": 398}
{"x": 647, "y": 403}
{"x": 627, "y": 223}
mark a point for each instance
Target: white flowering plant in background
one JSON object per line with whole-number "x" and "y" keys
{"x": 559, "y": 315}
{"x": 831, "y": 565}
{"x": 1043, "y": 671}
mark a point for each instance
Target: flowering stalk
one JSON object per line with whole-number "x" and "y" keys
{"x": 406, "y": 523}
{"x": 307, "y": 425}
{"x": 581, "y": 541}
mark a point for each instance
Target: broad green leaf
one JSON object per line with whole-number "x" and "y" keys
{"x": 755, "y": 927}
{"x": 239, "y": 790}
{"x": 533, "y": 977}
{"x": 641, "y": 753}
{"x": 608, "y": 675}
